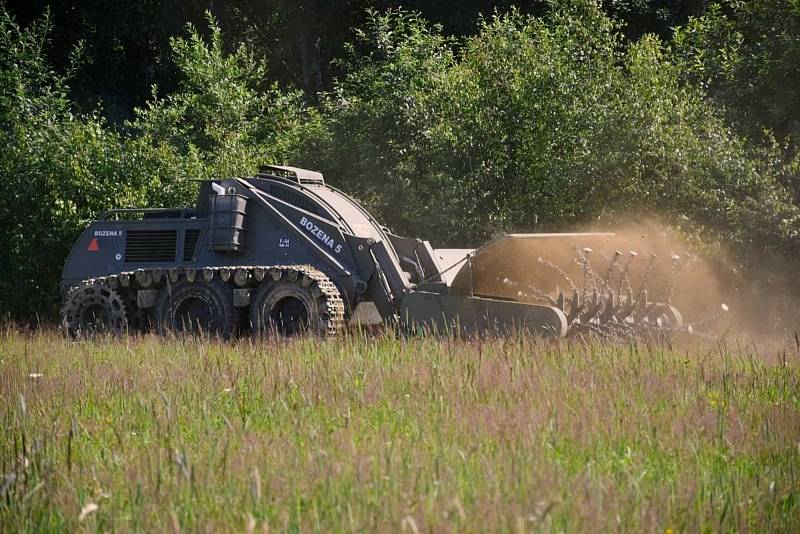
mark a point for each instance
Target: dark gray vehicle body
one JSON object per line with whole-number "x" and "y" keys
{"x": 289, "y": 216}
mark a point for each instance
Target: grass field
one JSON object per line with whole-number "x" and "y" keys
{"x": 381, "y": 433}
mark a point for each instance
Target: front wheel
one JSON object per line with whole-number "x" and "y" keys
{"x": 94, "y": 308}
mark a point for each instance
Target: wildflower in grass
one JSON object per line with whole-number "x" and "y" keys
{"x": 86, "y": 510}
{"x": 715, "y": 400}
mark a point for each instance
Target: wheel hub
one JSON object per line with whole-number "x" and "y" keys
{"x": 193, "y": 314}
{"x": 95, "y": 318}
{"x": 290, "y": 316}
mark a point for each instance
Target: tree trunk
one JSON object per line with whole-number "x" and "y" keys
{"x": 308, "y": 42}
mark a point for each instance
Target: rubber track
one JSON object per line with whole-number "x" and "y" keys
{"x": 332, "y": 298}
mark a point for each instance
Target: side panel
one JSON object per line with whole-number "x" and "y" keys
{"x": 320, "y": 236}
{"x": 448, "y": 313}
{"x": 108, "y": 247}
{"x": 98, "y": 251}
{"x": 417, "y": 257}
{"x": 281, "y": 233}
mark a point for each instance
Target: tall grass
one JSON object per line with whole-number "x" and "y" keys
{"x": 380, "y": 433}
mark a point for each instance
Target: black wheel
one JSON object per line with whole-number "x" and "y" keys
{"x": 198, "y": 307}
{"x": 289, "y": 308}
{"x": 138, "y": 319}
{"x": 94, "y": 308}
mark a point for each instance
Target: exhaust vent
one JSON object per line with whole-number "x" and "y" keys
{"x": 190, "y": 239}
{"x": 145, "y": 246}
{"x": 226, "y": 224}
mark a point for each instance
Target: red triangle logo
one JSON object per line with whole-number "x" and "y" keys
{"x": 94, "y": 246}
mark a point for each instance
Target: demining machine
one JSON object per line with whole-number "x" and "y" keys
{"x": 283, "y": 253}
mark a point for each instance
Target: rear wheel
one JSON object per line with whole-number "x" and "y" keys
{"x": 292, "y": 306}
{"x": 94, "y": 308}
{"x": 199, "y": 307}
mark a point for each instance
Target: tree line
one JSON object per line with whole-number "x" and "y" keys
{"x": 449, "y": 125}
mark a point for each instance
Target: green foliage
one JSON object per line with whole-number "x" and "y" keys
{"x": 372, "y": 121}
{"x": 224, "y": 119}
{"x": 659, "y": 17}
{"x": 746, "y": 54}
{"x": 62, "y": 169}
{"x": 543, "y": 123}
{"x": 59, "y": 171}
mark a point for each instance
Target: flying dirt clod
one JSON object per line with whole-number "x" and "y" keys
{"x": 282, "y": 253}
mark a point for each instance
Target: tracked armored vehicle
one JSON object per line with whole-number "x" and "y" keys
{"x": 282, "y": 253}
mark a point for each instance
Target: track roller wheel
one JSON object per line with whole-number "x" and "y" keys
{"x": 94, "y": 308}
{"x": 293, "y": 305}
{"x": 197, "y": 307}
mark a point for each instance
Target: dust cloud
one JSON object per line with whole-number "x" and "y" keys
{"x": 636, "y": 258}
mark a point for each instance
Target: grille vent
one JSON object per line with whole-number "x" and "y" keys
{"x": 293, "y": 198}
{"x": 190, "y": 239}
{"x": 142, "y": 246}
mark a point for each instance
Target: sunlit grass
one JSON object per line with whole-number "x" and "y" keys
{"x": 383, "y": 433}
